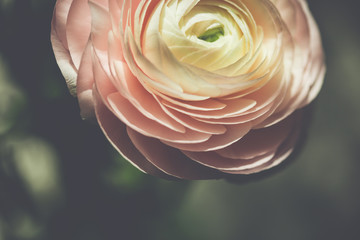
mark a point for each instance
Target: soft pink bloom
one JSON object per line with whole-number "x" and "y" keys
{"x": 175, "y": 104}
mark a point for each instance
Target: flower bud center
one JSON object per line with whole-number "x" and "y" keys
{"x": 212, "y": 35}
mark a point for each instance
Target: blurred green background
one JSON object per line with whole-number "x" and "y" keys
{"x": 61, "y": 179}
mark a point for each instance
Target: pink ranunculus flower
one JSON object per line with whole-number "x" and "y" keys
{"x": 192, "y": 89}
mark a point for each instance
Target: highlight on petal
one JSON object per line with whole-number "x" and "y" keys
{"x": 193, "y": 89}
{"x": 68, "y": 42}
{"x": 170, "y": 160}
{"x": 85, "y": 83}
{"x": 115, "y": 131}
{"x": 64, "y": 61}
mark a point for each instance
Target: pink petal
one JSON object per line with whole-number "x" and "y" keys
{"x": 125, "y": 111}
{"x": 59, "y": 20}
{"x": 284, "y": 150}
{"x": 103, "y": 84}
{"x": 236, "y": 107}
{"x": 205, "y": 105}
{"x": 282, "y": 154}
{"x": 246, "y": 117}
{"x": 267, "y": 98}
{"x": 78, "y": 27}
{"x": 64, "y": 61}
{"x": 195, "y": 124}
{"x": 260, "y": 141}
{"x": 215, "y": 142}
{"x": 170, "y": 160}
{"x": 213, "y": 160}
{"x": 131, "y": 89}
{"x": 115, "y": 131}
{"x": 85, "y": 84}
{"x": 100, "y": 25}
{"x": 145, "y": 103}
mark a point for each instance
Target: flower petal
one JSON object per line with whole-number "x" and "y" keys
{"x": 116, "y": 133}
{"x": 79, "y": 17}
{"x": 170, "y": 160}
{"x": 85, "y": 83}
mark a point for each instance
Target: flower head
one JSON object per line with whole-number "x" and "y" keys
{"x": 192, "y": 88}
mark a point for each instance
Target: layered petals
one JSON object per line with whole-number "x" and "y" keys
{"x": 192, "y": 89}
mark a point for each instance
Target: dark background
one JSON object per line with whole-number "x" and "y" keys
{"x": 61, "y": 179}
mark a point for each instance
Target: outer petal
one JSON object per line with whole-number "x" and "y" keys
{"x": 308, "y": 68}
{"x": 116, "y": 133}
{"x": 70, "y": 31}
{"x": 170, "y": 160}
{"x": 64, "y": 61}
{"x": 85, "y": 82}
{"x": 257, "y": 151}
{"x": 78, "y": 27}
{"x": 284, "y": 150}
{"x": 233, "y": 133}
{"x": 59, "y": 20}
